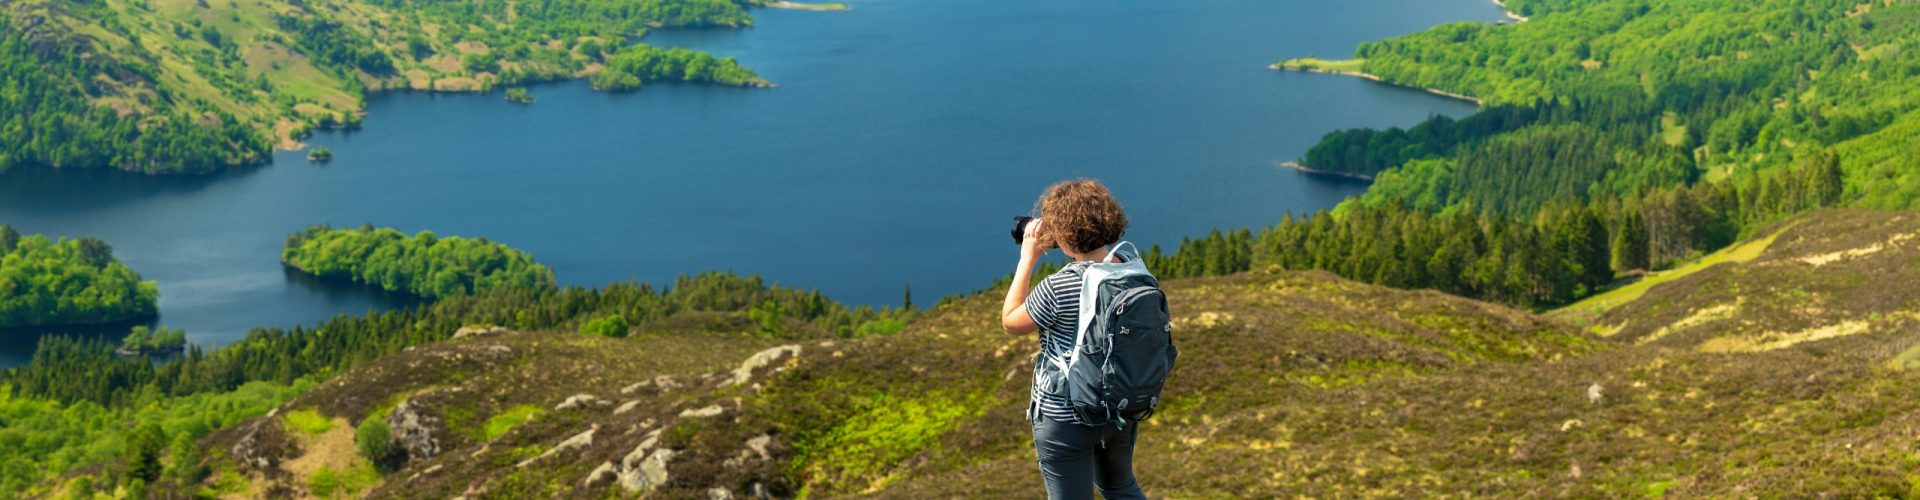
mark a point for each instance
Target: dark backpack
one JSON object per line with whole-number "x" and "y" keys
{"x": 1122, "y": 348}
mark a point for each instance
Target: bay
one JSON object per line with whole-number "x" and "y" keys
{"x": 901, "y": 139}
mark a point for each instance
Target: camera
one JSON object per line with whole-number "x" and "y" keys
{"x": 1020, "y": 228}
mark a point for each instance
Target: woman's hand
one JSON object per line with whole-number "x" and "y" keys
{"x": 1013, "y": 313}
{"x": 1031, "y": 248}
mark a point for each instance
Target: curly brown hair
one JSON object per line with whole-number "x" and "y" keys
{"x": 1080, "y": 215}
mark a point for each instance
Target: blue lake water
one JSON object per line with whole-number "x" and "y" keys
{"x": 901, "y": 138}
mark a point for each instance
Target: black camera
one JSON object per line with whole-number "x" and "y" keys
{"x": 1020, "y": 228}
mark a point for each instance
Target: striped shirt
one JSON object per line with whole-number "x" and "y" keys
{"x": 1055, "y": 306}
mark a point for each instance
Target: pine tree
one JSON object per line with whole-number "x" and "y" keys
{"x": 1630, "y": 245}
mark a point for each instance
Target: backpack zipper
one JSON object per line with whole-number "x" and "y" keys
{"x": 1126, "y": 298}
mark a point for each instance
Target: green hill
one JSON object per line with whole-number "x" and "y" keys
{"x": 193, "y": 86}
{"x": 1290, "y": 383}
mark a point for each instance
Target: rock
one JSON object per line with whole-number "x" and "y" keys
{"x": 414, "y": 429}
{"x": 709, "y": 411}
{"x": 428, "y": 472}
{"x": 501, "y": 349}
{"x": 578, "y": 441}
{"x": 666, "y": 383}
{"x": 759, "y": 446}
{"x": 651, "y": 474}
{"x": 626, "y": 407}
{"x": 248, "y": 452}
{"x": 581, "y": 401}
{"x": 719, "y": 494}
{"x": 605, "y": 472}
{"x": 636, "y": 386}
{"x": 477, "y": 330}
{"x": 643, "y": 469}
{"x": 760, "y": 360}
{"x": 1570, "y": 425}
{"x": 639, "y": 453}
{"x": 1594, "y": 394}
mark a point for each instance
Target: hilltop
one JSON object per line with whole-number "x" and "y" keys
{"x": 1298, "y": 382}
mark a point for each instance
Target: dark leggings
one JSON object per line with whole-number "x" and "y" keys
{"x": 1075, "y": 458}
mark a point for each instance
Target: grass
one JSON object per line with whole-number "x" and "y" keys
{"x": 308, "y": 421}
{"x": 1671, "y": 132}
{"x": 1586, "y": 310}
{"x": 498, "y": 425}
{"x": 1327, "y": 65}
{"x": 349, "y": 483}
{"x": 867, "y": 444}
{"x": 1908, "y": 359}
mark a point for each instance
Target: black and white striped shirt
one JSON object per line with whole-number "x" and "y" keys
{"x": 1055, "y": 306}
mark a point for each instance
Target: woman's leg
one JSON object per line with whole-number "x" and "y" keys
{"x": 1066, "y": 458}
{"x": 1113, "y": 464}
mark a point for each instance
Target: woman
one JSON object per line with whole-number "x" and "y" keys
{"x": 1083, "y": 220}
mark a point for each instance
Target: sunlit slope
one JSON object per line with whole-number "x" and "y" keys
{"x": 1827, "y": 274}
{"x": 262, "y": 73}
{"x": 1288, "y": 383}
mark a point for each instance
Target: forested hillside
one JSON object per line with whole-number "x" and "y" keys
{"x": 1675, "y": 126}
{"x": 192, "y": 86}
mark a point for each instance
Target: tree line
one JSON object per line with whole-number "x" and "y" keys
{"x": 424, "y": 264}
{"x": 1565, "y": 252}
{"x": 71, "y": 281}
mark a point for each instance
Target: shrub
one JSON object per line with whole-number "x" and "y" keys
{"x": 373, "y": 438}
{"x": 611, "y": 326}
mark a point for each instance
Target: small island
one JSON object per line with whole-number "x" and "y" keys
{"x": 143, "y": 341}
{"x": 424, "y": 264}
{"x": 68, "y": 282}
{"x": 519, "y": 95}
{"x": 807, "y": 6}
{"x": 320, "y": 154}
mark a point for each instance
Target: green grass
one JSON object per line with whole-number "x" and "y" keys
{"x": 308, "y": 421}
{"x": 329, "y": 483}
{"x": 1328, "y": 65}
{"x": 1584, "y": 311}
{"x": 868, "y": 444}
{"x": 500, "y": 424}
{"x": 1908, "y": 359}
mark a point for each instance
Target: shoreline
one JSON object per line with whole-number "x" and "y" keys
{"x": 1296, "y": 166}
{"x": 1510, "y": 15}
{"x": 816, "y": 7}
{"x": 1303, "y": 68}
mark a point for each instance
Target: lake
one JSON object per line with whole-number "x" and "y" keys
{"x": 900, "y": 141}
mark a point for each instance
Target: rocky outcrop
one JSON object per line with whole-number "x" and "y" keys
{"x": 576, "y": 442}
{"x": 760, "y": 360}
{"x": 477, "y": 330}
{"x": 414, "y": 430}
{"x": 261, "y": 443}
{"x": 580, "y": 401}
{"x": 709, "y": 411}
{"x": 643, "y": 469}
